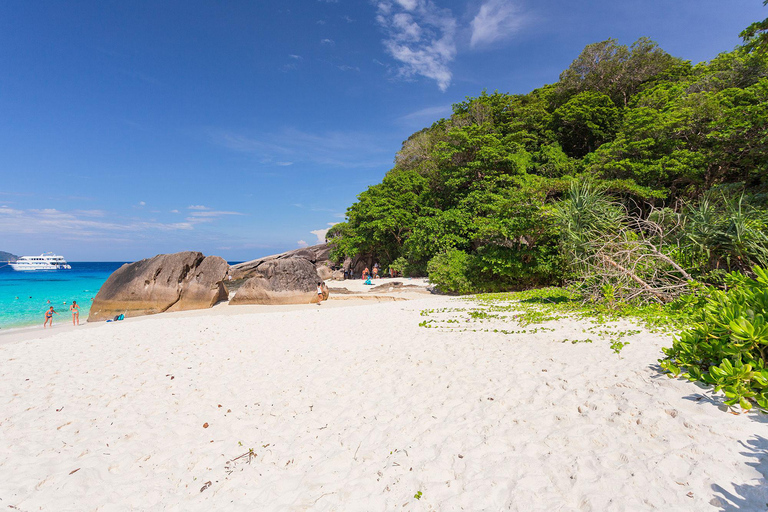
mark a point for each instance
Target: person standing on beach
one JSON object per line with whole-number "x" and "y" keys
{"x": 49, "y": 317}
{"x": 75, "y": 309}
{"x": 319, "y": 293}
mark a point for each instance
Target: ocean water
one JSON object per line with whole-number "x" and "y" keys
{"x": 25, "y": 296}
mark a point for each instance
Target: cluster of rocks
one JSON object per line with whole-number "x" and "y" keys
{"x": 189, "y": 280}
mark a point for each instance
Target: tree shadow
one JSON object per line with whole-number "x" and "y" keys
{"x": 752, "y": 496}
{"x": 706, "y": 397}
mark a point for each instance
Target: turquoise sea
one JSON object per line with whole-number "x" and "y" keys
{"x": 25, "y": 296}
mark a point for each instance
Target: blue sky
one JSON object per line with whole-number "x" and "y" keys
{"x": 247, "y": 128}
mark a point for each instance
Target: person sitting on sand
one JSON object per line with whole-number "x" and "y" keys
{"x": 75, "y": 309}
{"x": 49, "y": 317}
{"x": 319, "y": 293}
{"x": 365, "y": 273}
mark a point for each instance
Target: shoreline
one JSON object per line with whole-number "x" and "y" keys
{"x": 357, "y": 295}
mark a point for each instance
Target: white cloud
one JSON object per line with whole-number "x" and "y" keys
{"x": 344, "y": 67}
{"x": 420, "y": 36}
{"x": 327, "y": 41}
{"x": 320, "y": 234}
{"x": 142, "y": 203}
{"x": 496, "y": 20}
{"x": 302, "y": 243}
{"x": 197, "y": 207}
{"x": 296, "y": 57}
{"x": 283, "y": 164}
{"x": 408, "y": 5}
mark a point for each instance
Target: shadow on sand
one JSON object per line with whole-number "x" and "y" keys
{"x": 752, "y": 496}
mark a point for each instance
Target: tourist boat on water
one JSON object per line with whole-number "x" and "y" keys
{"x": 46, "y": 261}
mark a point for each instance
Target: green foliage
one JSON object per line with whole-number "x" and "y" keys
{"x": 727, "y": 342}
{"x": 615, "y": 70}
{"x": 588, "y": 120}
{"x": 586, "y": 214}
{"x": 725, "y": 232}
{"x": 451, "y": 272}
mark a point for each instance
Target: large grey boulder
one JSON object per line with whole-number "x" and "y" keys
{"x": 318, "y": 255}
{"x": 281, "y": 281}
{"x": 324, "y": 271}
{"x": 167, "y": 282}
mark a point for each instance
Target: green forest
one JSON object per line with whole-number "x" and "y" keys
{"x": 632, "y": 144}
{"x": 639, "y": 179}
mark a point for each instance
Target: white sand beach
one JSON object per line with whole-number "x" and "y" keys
{"x": 352, "y": 406}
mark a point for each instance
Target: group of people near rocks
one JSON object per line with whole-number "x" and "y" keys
{"x": 74, "y": 308}
{"x": 367, "y": 273}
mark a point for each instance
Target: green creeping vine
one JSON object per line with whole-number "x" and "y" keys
{"x": 727, "y": 343}
{"x": 531, "y": 308}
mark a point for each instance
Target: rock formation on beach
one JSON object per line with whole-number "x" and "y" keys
{"x": 318, "y": 255}
{"x": 167, "y": 282}
{"x": 290, "y": 280}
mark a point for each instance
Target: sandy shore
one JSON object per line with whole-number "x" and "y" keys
{"x": 359, "y": 408}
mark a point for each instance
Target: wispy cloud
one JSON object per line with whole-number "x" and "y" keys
{"x": 495, "y": 21}
{"x": 199, "y": 214}
{"x": 420, "y": 36}
{"x": 328, "y": 42}
{"x": 80, "y": 226}
{"x": 432, "y": 113}
{"x": 339, "y": 149}
{"x": 302, "y": 243}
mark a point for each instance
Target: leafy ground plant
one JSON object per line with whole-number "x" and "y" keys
{"x": 727, "y": 343}
{"x": 528, "y": 312}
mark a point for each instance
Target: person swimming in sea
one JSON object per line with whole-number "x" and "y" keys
{"x": 75, "y": 309}
{"x": 49, "y": 317}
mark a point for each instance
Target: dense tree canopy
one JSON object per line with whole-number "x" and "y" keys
{"x": 473, "y": 195}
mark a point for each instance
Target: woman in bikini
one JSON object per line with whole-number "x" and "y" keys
{"x": 75, "y": 309}
{"x": 49, "y": 317}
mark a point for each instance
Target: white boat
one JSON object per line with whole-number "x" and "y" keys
{"x": 46, "y": 261}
